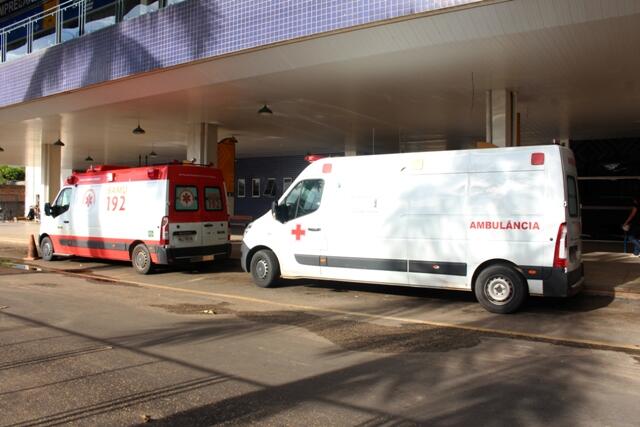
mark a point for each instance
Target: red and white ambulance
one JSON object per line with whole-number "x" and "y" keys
{"x": 163, "y": 214}
{"x": 504, "y": 223}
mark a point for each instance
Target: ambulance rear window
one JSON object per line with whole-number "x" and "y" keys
{"x": 186, "y": 198}
{"x": 212, "y": 199}
{"x": 572, "y": 195}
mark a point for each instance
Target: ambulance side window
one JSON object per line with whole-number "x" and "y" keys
{"x": 212, "y": 199}
{"x": 186, "y": 198}
{"x": 62, "y": 202}
{"x": 572, "y": 193}
{"x": 304, "y": 199}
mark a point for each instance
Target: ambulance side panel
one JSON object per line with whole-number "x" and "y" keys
{"x": 108, "y": 217}
{"x": 435, "y": 189}
{"x": 365, "y": 221}
{"x": 512, "y": 212}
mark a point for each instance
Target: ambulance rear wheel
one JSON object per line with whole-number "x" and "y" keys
{"x": 46, "y": 249}
{"x": 141, "y": 259}
{"x": 265, "y": 269}
{"x": 500, "y": 289}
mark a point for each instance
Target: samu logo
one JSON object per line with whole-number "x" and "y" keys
{"x": 89, "y": 198}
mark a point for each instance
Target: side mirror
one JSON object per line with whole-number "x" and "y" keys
{"x": 47, "y": 209}
{"x": 279, "y": 212}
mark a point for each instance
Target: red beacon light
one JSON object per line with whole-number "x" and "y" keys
{"x": 313, "y": 157}
{"x": 72, "y": 180}
{"x": 153, "y": 173}
{"x": 537, "y": 159}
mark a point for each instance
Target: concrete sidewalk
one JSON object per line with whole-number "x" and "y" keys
{"x": 18, "y": 232}
{"x": 607, "y": 272}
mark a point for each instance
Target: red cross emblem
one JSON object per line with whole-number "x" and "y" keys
{"x": 298, "y": 232}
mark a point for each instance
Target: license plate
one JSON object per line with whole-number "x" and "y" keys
{"x": 185, "y": 239}
{"x": 208, "y": 258}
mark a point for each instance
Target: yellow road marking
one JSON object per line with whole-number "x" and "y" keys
{"x": 511, "y": 334}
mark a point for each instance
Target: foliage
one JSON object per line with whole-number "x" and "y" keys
{"x": 11, "y": 173}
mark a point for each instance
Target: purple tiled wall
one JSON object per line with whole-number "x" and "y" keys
{"x": 189, "y": 31}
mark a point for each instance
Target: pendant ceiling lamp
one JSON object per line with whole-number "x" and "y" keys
{"x": 265, "y": 110}
{"x": 59, "y": 143}
{"x": 138, "y": 130}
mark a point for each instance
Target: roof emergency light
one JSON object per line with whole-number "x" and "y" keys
{"x": 537, "y": 159}
{"x": 313, "y": 157}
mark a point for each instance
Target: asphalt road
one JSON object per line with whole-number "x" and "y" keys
{"x": 96, "y": 344}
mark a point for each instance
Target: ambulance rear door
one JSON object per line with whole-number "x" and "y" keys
{"x": 215, "y": 226}
{"x": 185, "y": 223}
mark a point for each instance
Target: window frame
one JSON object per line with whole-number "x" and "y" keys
{"x": 285, "y": 185}
{"x": 275, "y": 188}
{"x": 242, "y": 194}
{"x": 255, "y": 181}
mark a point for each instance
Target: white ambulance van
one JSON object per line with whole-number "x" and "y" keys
{"x": 503, "y": 223}
{"x": 150, "y": 215}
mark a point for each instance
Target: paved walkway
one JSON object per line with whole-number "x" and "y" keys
{"x": 608, "y": 271}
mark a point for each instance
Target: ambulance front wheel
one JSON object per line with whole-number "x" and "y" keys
{"x": 46, "y": 249}
{"x": 500, "y": 289}
{"x": 265, "y": 268}
{"x": 141, "y": 259}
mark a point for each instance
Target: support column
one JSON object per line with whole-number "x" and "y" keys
{"x": 202, "y": 143}
{"x": 502, "y": 128}
{"x": 43, "y": 173}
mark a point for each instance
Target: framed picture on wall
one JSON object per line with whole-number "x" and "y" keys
{"x": 255, "y": 187}
{"x": 241, "y": 188}
{"x": 270, "y": 190}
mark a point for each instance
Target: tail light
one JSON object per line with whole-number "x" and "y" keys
{"x": 164, "y": 231}
{"x": 560, "y": 253}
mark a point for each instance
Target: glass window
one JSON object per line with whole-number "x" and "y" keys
{"x": 270, "y": 190}
{"x": 64, "y": 198}
{"x": 304, "y": 198}
{"x": 212, "y": 199}
{"x": 572, "y": 195}
{"x": 241, "y": 187}
{"x": 286, "y": 182}
{"x": 186, "y": 198}
{"x": 255, "y": 187}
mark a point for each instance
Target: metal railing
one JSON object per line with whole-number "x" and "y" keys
{"x": 70, "y": 20}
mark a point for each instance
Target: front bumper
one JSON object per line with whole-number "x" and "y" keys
{"x": 193, "y": 254}
{"x": 558, "y": 283}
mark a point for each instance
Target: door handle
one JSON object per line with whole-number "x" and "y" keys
{"x": 66, "y": 222}
{"x": 208, "y": 225}
{"x": 314, "y": 229}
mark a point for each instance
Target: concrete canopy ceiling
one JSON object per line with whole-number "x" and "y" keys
{"x": 575, "y": 69}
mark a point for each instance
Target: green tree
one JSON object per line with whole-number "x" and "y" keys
{"x": 11, "y": 173}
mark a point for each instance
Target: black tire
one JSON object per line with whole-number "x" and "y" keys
{"x": 501, "y": 289}
{"x": 265, "y": 269}
{"x": 46, "y": 249}
{"x": 141, "y": 259}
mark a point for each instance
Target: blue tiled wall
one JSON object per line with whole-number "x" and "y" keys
{"x": 189, "y": 31}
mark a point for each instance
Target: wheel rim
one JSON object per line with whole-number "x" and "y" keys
{"x": 141, "y": 259}
{"x": 499, "y": 290}
{"x": 46, "y": 249}
{"x": 262, "y": 268}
